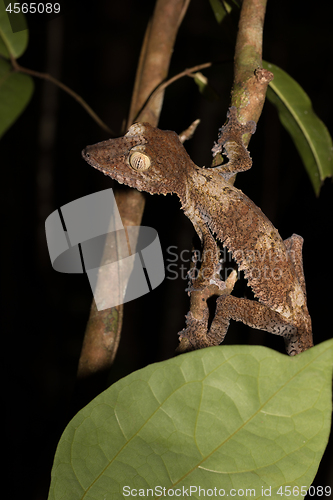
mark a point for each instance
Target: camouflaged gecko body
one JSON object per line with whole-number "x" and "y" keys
{"x": 155, "y": 161}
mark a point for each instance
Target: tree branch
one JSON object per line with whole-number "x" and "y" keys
{"x": 103, "y": 329}
{"x": 248, "y": 95}
{"x": 250, "y": 79}
{"x": 155, "y": 59}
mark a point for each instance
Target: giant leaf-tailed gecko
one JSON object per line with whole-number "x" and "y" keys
{"x": 155, "y": 161}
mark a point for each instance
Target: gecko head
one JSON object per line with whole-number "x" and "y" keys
{"x": 145, "y": 158}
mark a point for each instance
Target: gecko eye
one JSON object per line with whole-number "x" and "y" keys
{"x": 139, "y": 161}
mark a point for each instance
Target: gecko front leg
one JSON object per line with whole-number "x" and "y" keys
{"x": 194, "y": 336}
{"x": 230, "y": 142}
{"x": 203, "y": 283}
{"x": 208, "y": 274}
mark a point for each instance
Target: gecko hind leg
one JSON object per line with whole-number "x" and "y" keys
{"x": 251, "y": 313}
{"x": 294, "y": 246}
{"x": 195, "y": 332}
{"x": 303, "y": 339}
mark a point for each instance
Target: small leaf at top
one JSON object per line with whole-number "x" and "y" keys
{"x": 218, "y": 9}
{"x": 308, "y": 132}
{"x": 204, "y": 88}
{"x": 15, "y": 93}
{"x": 233, "y": 418}
{"x": 11, "y": 43}
{"x": 222, "y": 8}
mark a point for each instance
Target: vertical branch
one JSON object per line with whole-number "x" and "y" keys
{"x": 250, "y": 79}
{"x": 103, "y": 329}
{"x": 248, "y": 95}
{"x": 155, "y": 60}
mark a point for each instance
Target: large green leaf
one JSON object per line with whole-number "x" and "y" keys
{"x": 308, "y": 132}
{"x": 231, "y": 418}
{"x": 15, "y": 93}
{"x": 11, "y": 43}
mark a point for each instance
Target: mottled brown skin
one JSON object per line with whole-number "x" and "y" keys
{"x": 273, "y": 268}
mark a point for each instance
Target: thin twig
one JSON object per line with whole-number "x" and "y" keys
{"x": 50, "y": 78}
{"x": 183, "y": 12}
{"x": 186, "y": 72}
{"x": 164, "y": 85}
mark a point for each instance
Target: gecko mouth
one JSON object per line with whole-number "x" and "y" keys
{"x": 85, "y": 154}
{"x": 88, "y": 157}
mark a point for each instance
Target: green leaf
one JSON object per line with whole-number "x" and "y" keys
{"x": 12, "y": 43}
{"x": 204, "y": 88}
{"x": 218, "y": 9}
{"x": 231, "y": 417}
{"x": 15, "y": 93}
{"x": 308, "y": 132}
{"x": 222, "y": 8}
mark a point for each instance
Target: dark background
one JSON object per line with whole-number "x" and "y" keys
{"x": 94, "y": 50}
